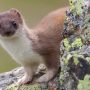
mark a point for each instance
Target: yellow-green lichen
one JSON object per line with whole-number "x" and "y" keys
{"x": 74, "y": 4}
{"x": 24, "y": 87}
{"x": 76, "y": 61}
{"x": 66, "y": 44}
{"x": 77, "y": 43}
{"x": 88, "y": 59}
{"x": 66, "y": 60}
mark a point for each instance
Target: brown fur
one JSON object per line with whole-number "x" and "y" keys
{"x": 46, "y": 38}
{"x": 49, "y": 33}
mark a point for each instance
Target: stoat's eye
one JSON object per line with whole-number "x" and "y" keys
{"x": 14, "y": 24}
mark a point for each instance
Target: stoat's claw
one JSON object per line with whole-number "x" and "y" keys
{"x": 24, "y": 80}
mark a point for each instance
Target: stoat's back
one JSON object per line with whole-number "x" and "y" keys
{"x": 52, "y": 24}
{"x": 49, "y": 32}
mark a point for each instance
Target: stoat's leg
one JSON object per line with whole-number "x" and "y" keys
{"x": 46, "y": 77}
{"x": 27, "y": 78}
{"x": 52, "y": 68}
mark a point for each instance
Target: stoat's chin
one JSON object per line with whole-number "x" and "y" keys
{"x": 15, "y": 35}
{"x": 10, "y": 37}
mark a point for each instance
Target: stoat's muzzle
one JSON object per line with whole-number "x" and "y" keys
{"x": 8, "y": 28}
{"x": 10, "y": 22}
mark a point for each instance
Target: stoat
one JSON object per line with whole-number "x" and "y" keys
{"x": 31, "y": 47}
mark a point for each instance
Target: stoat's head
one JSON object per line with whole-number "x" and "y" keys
{"x": 11, "y": 23}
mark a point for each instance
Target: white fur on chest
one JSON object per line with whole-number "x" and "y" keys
{"x": 20, "y": 50}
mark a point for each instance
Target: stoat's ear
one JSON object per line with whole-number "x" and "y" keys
{"x": 15, "y": 12}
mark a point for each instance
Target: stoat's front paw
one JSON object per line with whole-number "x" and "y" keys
{"x": 24, "y": 80}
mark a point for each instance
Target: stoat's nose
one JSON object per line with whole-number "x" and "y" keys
{"x": 8, "y": 28}
{"x": 8, "y": 33}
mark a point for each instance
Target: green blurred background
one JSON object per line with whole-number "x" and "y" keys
{"x": 33, "y": 11}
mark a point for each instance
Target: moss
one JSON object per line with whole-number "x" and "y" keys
{"x": 84, "y": 84}
{"x": 66, "y": 44}
{"x": 24, "y": 87}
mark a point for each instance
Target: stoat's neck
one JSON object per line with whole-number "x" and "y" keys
{"x": 19, "y": 48}
{"x": 30, "y": 33}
